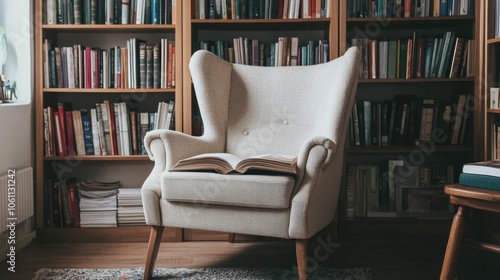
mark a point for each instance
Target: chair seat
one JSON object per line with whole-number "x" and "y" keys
{"x": 249, "y": 190}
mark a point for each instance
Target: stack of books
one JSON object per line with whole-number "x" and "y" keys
{"x": 98, "y": 203}
{"x": 130, "y": 210}
{"x": 483, "y": 174}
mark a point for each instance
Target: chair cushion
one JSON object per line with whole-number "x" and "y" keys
{"x": 248, "y": 190}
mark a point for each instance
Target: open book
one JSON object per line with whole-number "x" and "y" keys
{"x": 225, "y": 163}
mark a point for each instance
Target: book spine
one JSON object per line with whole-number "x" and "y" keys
{"x": 87, "y": 133}
{"x": 479, "y": 181}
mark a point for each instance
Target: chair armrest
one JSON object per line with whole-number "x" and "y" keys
{"x": 165, "y": 148}
{"x": 179, "y": 145}
{"x": 319, "y": 173}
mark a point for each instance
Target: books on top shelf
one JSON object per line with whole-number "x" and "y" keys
{"x": 109, "y": 12}
{"x": 290, "y": 9}
{"x": 110, "y": 128}
{"x": 409, "y": 8}
{"x": 225, "y": 163}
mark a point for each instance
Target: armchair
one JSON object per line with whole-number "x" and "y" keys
{"x": 249, "y": 110}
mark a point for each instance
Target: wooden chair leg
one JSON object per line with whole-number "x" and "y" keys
{"x": 448, "y": 271}
{"x": 301, "y": 252}
{"x": 231, "y": 237}
{"x": 153, "y": 248}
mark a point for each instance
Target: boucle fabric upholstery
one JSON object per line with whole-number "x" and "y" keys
{"x": 250, "y": 110}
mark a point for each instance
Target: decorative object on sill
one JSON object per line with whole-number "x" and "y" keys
{"x": 8, "y": 91}
{"x": 219, "y": 273}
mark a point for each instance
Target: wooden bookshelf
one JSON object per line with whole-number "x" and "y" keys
{"x": 446, "y": 89}
{"x": 337, "y": 28}
{"x": 265, "y": 30}
{"x": 130, "y": 170}
{"x": 491, "y": 79}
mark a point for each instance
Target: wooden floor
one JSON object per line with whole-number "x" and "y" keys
{"x": 388, "y": 259}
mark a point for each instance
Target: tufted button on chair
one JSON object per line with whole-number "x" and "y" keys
{"x": 248, "y": 110}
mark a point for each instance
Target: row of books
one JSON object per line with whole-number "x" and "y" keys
{"x": 287, "y": 51}
{"x": 140, "y": 64}
{"x": 408, "y": 120}
{"x": 396, "y": 189}
{"x": 73, "y": 203}
{"x": 259, "y": 9}
{"x": 408, "y": 8}
{"x": 108, "y": 129}
{"x": 446, "y": 56}
{"x": 109, "y": 11}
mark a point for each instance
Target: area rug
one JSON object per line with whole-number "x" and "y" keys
{"x": 201, "y": 274}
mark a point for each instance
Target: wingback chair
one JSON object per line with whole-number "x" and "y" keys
{"x": 250, "y": 110}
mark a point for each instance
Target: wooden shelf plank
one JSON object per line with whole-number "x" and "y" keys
{"x": 101, "y": 158}
{"x": 108, "y": 27}
{"x": 407, "y": 149}
{"x": 107, "y": 90}
{"x": 411, "y": 19}
{"x": 417, "y": 80}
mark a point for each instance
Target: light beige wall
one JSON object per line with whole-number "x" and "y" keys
{"x": 16, "y": 119}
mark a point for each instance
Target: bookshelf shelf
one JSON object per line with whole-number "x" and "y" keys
{"x": 95, "y": 28}
{"x": 100, "y": 158}
{"x": 408, "y": 149}
{"x": 412, "y": 19}
{"x": 491, "y": 117}
{"x": 261, "y": 21}
{"x": 106, "y": 90}
{"x": 417, "y": 80}
{"x": 493, "y": 41}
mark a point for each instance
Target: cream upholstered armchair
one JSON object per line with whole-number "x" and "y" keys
{"x": 249, "y": 110}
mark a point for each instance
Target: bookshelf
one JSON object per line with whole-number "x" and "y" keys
{"x": 117, "y": 164}
{"x": 387, "y": 82}
{"x": 266, "y": 30}
{"x": 492, "y": 81}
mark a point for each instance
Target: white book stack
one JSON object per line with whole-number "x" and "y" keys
{"x": 98, "y": 203}
{"x": 130, "y": 211}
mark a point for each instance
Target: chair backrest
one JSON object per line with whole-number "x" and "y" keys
{"x": 275, "y": 109}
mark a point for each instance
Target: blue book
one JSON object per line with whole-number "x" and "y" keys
{"x": 444, "y": 8}
{"x": 87, "y": 133}
{"x": 155, "y": 12}
{"x": 480, "y": 181}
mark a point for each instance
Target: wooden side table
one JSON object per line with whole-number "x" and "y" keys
{"x": 466, "y": 198}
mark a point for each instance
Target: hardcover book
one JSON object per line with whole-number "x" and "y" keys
{"x": 480, "y": 181}
{"x": 489, "y": 168}
{"x": 225, "y": 163}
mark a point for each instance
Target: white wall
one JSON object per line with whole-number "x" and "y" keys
{"x": 16, "y": 119}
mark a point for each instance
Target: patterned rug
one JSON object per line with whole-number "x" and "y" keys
{"x": 201, "y": 274}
